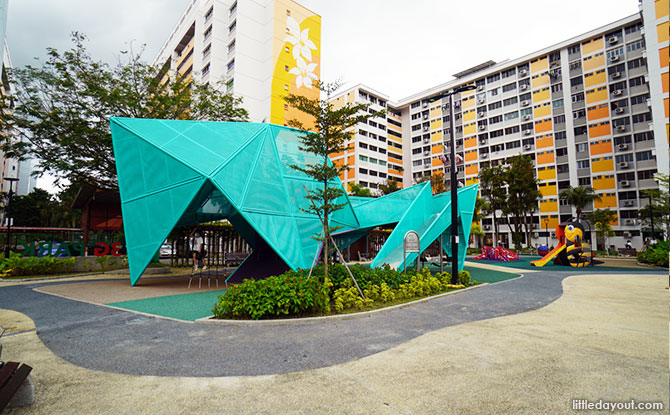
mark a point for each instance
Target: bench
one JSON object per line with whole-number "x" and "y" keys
{"x": 12, "y": 376}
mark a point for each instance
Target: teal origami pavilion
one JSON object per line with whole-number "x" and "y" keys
{"x": 176, "y": 173}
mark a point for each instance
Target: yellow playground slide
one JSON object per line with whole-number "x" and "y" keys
{"x": 542, "y": 262}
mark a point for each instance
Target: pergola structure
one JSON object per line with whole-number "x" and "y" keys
{"x": 174, "y": 173}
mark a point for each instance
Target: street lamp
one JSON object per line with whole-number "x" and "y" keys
{"x": 8, "y": 215}
{"x": 454, "y": 186}
{"x": 546, "y": 230}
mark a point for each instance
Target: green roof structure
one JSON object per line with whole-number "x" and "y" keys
{"x": 175, "y": 173}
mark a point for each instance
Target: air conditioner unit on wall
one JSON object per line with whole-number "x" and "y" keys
{"x": 484, "y": 155}
{"x": 613, "y": 40}
{"x": 616, "y": 75}
{"x": 527, "y": 147}
{"x": 623, "y": 146}
{"x": 482, "y": 127}
{"x": 617, "y": 92}
{"x": 621, "y": 128}
{"x": 536, "y": 235}
{"x": 527, "y": 132}
{"x": 481, "y": 114}
{"x": 523, "y": 87}
{"x": 524, "y": 103}
{"x": 619, "y": 110}
{"x": 487, "y": 227}
{"x": 629, "y": 222}
{"x": 481, "y": 100}
{"x": 624, "y": 183}
{"x": 523, "y": 72}
{"x": 480, "y": 88}
{"x": 623, "y": 164}
{"x": 526, "y": 117}
{"x": 628, "y": 203}
{"x": 614, "y": 58}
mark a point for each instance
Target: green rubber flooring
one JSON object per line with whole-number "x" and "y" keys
{"x": 524, "y": 263}
{"x": 188, "y": 307}
{"x": 480, "y": 274}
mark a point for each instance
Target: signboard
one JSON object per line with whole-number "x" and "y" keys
{"x": 411, "y": 243}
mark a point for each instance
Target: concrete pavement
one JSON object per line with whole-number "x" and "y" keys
{"x": 606, "y": 338}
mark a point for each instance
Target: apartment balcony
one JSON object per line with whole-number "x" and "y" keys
{"x": 639, "y": 108}
{"x": 565, "y": 209}
{"x": 638, "y": 90}
{"x": 562, "y": 159}
{"x": 563, "y": 142}
{"x": 640, "y": 70}
{"x": 646, "y": 164}
{"x": 647, "y": 184}
{"x": 578, "y": 105}
{"x": 563, "y": 176}
{"x": 583, "y": 172}
{"x": 581, "y": 138}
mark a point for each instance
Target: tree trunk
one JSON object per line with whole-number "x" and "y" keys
{"x": 495, "y": 229}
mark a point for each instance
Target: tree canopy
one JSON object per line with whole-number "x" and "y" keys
{"x": 389, "y": 186}
{"x": 579, "y": 197}
{"x": 356, "y": 189}
{"x": 60, "y": 112}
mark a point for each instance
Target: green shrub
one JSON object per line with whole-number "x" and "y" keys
{"x": 288, "y": 294}
{"x": 18, "y": 266}
{"x": 657, "y": 255}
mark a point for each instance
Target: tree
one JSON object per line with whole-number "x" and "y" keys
{"x": 437, "y": 184}
{"x": 481, "y": 205}
{"x": 579, "y": 197}
{"x": 61, "y": 110}
{"x": 601, "y": 220}
{"x": 522, "y": 196}
{"x": 492, "y": 188}
{"x": 356, "y": 189}
{"x": 333, "y": 128}
{"x": 389, "y": 187}
{"x": 659, "y": 207}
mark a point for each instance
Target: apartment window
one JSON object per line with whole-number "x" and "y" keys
{"x": 511, "y": 115}
{"x": 231, "y": 65}
{"x": 205, "y": 70}
{"x": 495, "y": 105}
{"x": 583, "y": 164}
{"x": 638, "y": 118}
{"x": 493, "y": 78}
{"x": 573, "y": 49}
{"x": 645, "y": 136}
{"x": 636, "y": 63}
{"x": 373, "y": 173}
{"x": 209, "y": 13}
{"x": 621, "y": 158}
{"x": 582, "y": 147}
{"x": 526, "y": 111}
{"x": 231, "y": 46}
{"x": 579, "y": 114}
{"x": 636, "y": 81}
{"x": 362, "y": 158}
{"x": 578, "y": 97}
{"x": 634, "y": 46}
{"x": 207, "y": 32}
{"x": 639, "y": 99}
{"x": 288, "y": 12}
{"x": 416, "y": 104}
{"x": 510, "y": 101}
{"x": 614, "y": 52}
{"x": 496, "y": 119}
{"x": 559, "y": 119}
{"x": 560, "y": 135}
{"x": 232, "y": 8}
{"x": 557, "y": 88}
{"x": 207, "y": 51}
{"x": 575, "y": 65}
{"x": 557, "y": 104}
{"x": 362, "y": 145}
{"x": 232, "y": 26}
{"x": 509, "y": 87}
{"x": 622, "y": 140}
{"x": 646, "y": 174}
{"x": 512, "y": 130}
{"x": 584, "y": 181}
{"x": 229, "y": 86}
{"x": 362, "y": 171}
{"x": 497, "y": 133}
{"x": 576, "y": 81}
{"x": 416, "y": 163}
{"x": 644, "y": 155}
{"x": 633, "y": 28}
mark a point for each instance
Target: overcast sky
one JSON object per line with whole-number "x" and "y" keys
{"x": 398, "y": 47}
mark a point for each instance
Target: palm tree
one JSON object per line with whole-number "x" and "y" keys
{"x": 579, "y": 197}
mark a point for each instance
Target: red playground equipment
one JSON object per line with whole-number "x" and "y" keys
{"x": 497, "y": 254}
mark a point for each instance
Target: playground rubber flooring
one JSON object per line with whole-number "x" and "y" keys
{"x": 193, "y": 306}
{"x": 189, "y": 307}
{"x": 524, "y": 263}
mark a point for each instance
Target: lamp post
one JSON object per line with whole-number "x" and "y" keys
{"x": 8, "y": 215}
{"x": 454, "y": 185}
{"x": 546, "y": 230}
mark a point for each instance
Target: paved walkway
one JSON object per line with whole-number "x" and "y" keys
{"x": 604, "y": 338}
